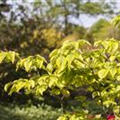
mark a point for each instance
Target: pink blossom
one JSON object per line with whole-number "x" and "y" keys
{"x": 110, "y": 117}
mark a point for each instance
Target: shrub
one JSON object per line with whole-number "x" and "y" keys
{"x": 24, "y": 112}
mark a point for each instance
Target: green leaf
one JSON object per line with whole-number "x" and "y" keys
{"x": 112, "y": 58}
{"x": 19, "y": 86}
{"x": 7, "y": 86}
{"x": 103, "y": 73}
{"x": 118, "y": 77}
{"x": 39, "y": 63}
{"x": 55, "y": 91}
{"x": 66, "y": 93}
{"x": 41, "y": 58}
{"x": 12, "y": 56}
{"x": 61, "y": 62}
{"x": 116, "y": 20}
{"x": 95, "y": 94}
{"x": 53, "y": 53}
{"x": 52, "y": 81}
{"x": 82, "y": 43}
{"x": 32, "y": 83}
{"x": 62, "y": 118}
{"x": 2, "y": 56}
{"x": 49, "y": 68}
{"x": 12, "y": 90}
{"x": 28, "y": 65}
{"x": 41, "y": 89}
{"x": 108, "y": 103}
{"x": 113, "y": 71}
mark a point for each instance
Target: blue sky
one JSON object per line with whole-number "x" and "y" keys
{"x": 87, "y": 21}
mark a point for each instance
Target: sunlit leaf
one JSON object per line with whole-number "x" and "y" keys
{"x": 103, "y": 73}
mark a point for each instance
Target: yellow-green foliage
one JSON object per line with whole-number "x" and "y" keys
{"x": 50, "y": 37}
{"x": 76, "y": 64}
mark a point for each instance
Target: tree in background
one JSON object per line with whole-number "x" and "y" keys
{"x": 39, "y": 15}
{"x": 103, "y": 29}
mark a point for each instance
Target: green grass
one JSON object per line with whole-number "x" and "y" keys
{"x": 15, "y": 112}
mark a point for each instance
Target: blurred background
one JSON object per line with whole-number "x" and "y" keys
{"x": 32, "y": 27}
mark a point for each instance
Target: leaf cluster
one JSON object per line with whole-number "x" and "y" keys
{"x": 75, "y": 65}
